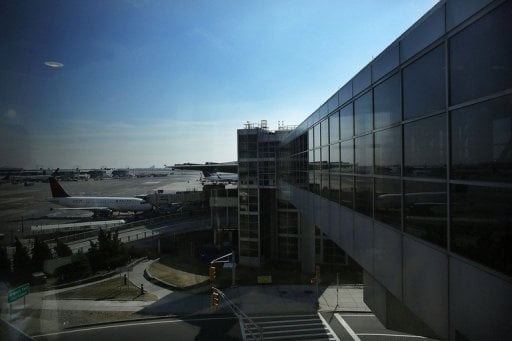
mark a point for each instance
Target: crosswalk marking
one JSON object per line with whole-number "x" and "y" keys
{"x": 289, "y": 327}
{"x": 347, "y": 327}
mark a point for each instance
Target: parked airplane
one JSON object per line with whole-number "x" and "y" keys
{"x": 218, "y": 177}
{"x": 100, "y": 206}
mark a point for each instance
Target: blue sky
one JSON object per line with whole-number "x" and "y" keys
{"x": 151, "y": 82}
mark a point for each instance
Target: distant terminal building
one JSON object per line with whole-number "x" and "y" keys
{"x": 408, "y": 169}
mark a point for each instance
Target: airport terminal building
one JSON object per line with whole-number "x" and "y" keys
{"x": 408, "y": 169}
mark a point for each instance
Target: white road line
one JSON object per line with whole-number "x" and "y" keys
{"x": 358, "y": 315}
{"x": 392, "y": 335}
{"x": 347, "y": 327}
{"x": 328, "y": 327}
{"x": 79, "y": 330}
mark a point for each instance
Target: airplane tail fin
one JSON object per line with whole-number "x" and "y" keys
{"x": 57, "y": 190}
{"x": 206, "y": 173}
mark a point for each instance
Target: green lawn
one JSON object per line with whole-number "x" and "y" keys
{"x": 112, "y": 289}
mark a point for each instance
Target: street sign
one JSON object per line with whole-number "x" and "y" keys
{"x": 19, "y": 292}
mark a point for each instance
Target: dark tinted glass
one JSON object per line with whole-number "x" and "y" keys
{"x": 324, "y": 132}
{"x": 325, "y": 157}
{"x": 334, "y": 127}
{"x": 345, "y": 93}
{"x": 482, "y": 141}
{"x": 364, "y": 195}
{"x": 316, "y": 136}
{"x": 334, "y": 157}
{"x": 332, "y": 103}
{"x": 422, "y": 35}
{"x": 362, "y": 80}
{"x": 387, "y": 104}
{"x": 363, "y": 113}
{"x": 324, "y": 184}
{"x": 347, "y": 190}
{"x": 364, "y": 154}
{"x": 424, "y": 84}
{"x": 388, "y": 201}
{"x": 425, "y": 147}
{"x": 334, "y": 188}
{"x": 425, "y": 211}
{"x": 310, "y": 138}
{"x": 481, "y": 225}
{"x": 385, "y": 62}
{"x": 346, "y": 122}
{"x": 388, "y": 151}
{"x": 481, "y": 57}
{"x": 347, "y": 156}
{"x": 459, "y": 10}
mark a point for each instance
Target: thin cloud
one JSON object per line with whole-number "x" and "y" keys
{"x": 53, "y": 64}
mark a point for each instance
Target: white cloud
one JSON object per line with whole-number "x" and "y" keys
{"x": 53, "y": 64}
{"x": 10, "y": 115}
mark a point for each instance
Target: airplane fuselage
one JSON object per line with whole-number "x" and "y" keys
{"x": 120, "y": 204}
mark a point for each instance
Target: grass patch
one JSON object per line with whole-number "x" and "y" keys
{"x": 181, "y": 272}
{"x": 109, "y": 290}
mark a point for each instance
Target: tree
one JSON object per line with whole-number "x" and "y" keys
{"x": 62, "y": 249}
{"x": 21, "y": 258}
{"x": 108, "y": 252}
{"x": 5, "y": 263}
{"x": 40, "y": 253}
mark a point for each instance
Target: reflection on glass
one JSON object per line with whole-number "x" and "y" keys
{"x": 334, "y": 157}
{"x": 310, "y": 138}
{"x": 324, "y": 132}
{"x": 334, "y": 127}
{"x": 424, "y": 84}
{"x": 347, "y": 190}
{"x": 387, "y": 104}
{"x": 334, "y": 187}
{"x": 388, "y": 151}
{"x": 325, "y": 157}
{"x": 488, "y": 67}
{"x": 346, "y": 122}
{"x": 480, "y": 225}
{"x": 388, "y": 201}
{"x": 347, "y": 156}
{"x": 425, "y": 211}
{"x": 364, "y": 195}
{"x": 363, "y": 113}
{"x": 425, "y": 147}
{"x": 364, "y": 154}
{"x": 385, "y": 62}
{"x": 324, "y": 184}
{"x": 482, "y": 141}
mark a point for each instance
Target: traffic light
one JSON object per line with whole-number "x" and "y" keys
{"x": 215, "y": 298}
{"x": 212, "y": 271}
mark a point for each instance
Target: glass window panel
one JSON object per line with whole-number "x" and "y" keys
{"x": 482, "y": 141}
{"x": 346, "y": 122}
{"x": 364, "y": 154}
{"x": 325, "y": 157}
{"x": 481, "y": 57}
{"x": 318, "y": 159}
{"x": 387, "y": 103}
{"x": 385, "y": 62}
{"x": 363, "y": 113}
{"x": 425, "y": 211}
{"x": 388, "y": 201}
{"x": 459, "y": 10}
{"x": 325, "y": 184}
{"x": 345, "y": 94}
{"x": 347, "y": 190}
{"x": 421, "y": 36}
{"x": 362, "y": 80}
{"x": 481, "y": 225}
{"x": 324, "y": 132}
{"x": 347, "y": 156}
{"x": 424, "y": 84}
{"x": 334, "y": 187}
{"x": 364, "y": 195}
{"x": 334, "y": 157}
{"x": 388, "y": 151}
{"x": 332, "y": 103}
{"x": 334, "y": 127}
{"x": 316, "y": 136}
{"x": 425, "y": 147}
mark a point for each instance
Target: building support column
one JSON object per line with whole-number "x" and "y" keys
{"x": 307, "y": 246}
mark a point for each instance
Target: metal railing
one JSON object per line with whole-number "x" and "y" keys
{"x": 251, "y": 327}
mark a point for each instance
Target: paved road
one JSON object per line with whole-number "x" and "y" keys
{"x": 203, "y": 328}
